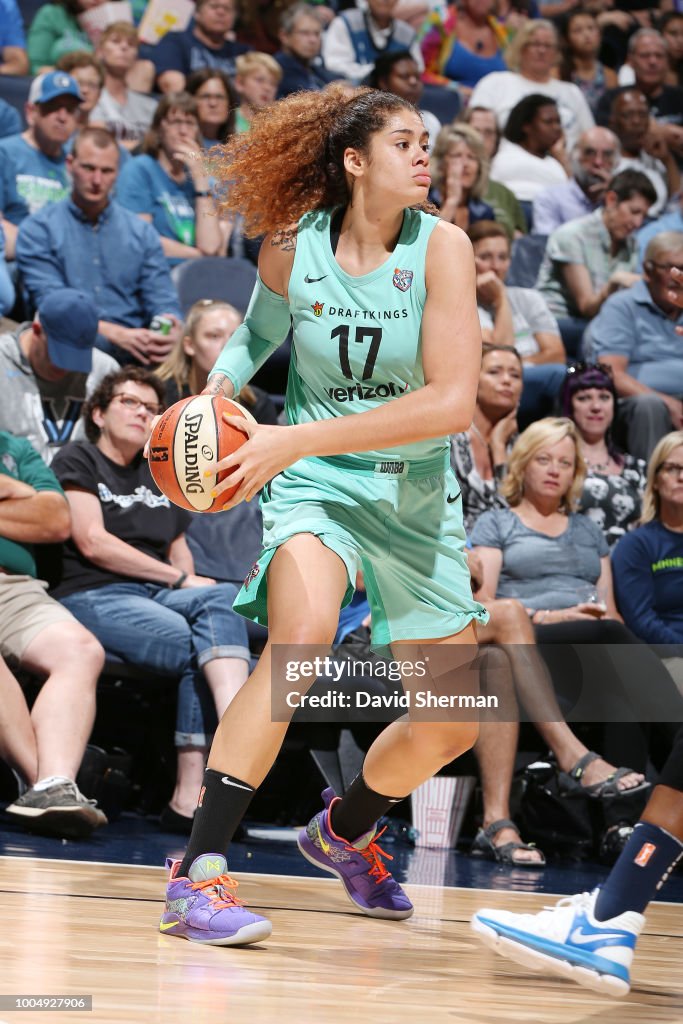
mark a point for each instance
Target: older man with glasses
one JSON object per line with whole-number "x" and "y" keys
{"x": 637, "y": 334}
{"x": 206, "y": 42}
{"x": 594, "y": 159}
{"x": 301, "y": 34}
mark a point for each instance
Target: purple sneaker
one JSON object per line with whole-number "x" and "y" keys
{"x": 200, "y": 908}
{"x": 357, "y": 865}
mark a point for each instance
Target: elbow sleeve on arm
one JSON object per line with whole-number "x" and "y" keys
{"x": 265, "y": 327}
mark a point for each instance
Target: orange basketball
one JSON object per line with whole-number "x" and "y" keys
{"x": 186, "y": 439}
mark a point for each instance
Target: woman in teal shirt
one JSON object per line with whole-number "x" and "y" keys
{"x": 169, "y": 187}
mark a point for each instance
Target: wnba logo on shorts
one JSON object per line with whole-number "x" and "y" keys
{"x": 644, "y": 854}
{"x": 201, "y": 796}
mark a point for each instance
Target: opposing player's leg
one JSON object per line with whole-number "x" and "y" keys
{"x": 342, "y": 839}
{"x": 306, "y": 584}
{"x": 591, "y": 937}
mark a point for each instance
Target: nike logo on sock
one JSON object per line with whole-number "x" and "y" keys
{"x": 229, "y": 782}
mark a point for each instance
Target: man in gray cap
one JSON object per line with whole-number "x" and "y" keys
{"x": 47, "y": 370}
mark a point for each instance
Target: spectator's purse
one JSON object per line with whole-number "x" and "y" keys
{"x": 565, "y": 822}
{"x": 556, "y": 814}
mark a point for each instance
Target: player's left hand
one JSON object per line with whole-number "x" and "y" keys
{"x": 266, "y": 453}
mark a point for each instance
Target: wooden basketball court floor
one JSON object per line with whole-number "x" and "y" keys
{"x": 75, "y": 928}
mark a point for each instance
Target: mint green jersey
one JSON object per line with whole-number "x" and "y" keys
{"x": 357, "y": 341}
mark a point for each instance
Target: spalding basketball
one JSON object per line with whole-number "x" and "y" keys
{"x": 187, "y": 438}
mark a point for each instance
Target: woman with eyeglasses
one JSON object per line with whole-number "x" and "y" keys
{"x": 532, "y": 57}
{"x": 615, "y": 481}
{"x": 169, "y": 187}
{"x": 216, "y": 105}
{"x": 128, "y": 575}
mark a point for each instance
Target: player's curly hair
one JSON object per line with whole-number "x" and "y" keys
{"x": 291, "y": 160}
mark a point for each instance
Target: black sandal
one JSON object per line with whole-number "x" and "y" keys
{"x": 609, "y": 787}
{"x": 483, "y": 846}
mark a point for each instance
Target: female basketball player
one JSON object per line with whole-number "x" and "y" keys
{"x": 384, "y": 367}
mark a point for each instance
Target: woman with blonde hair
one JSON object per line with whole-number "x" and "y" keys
{"x": 460, "y": 173}
{"x": 209, "y": 326}
{"x": 556, "y": 561}
{"x": 648, "y": 562}
{"x": 531, "y": 57}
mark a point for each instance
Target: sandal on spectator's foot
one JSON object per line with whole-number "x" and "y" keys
{"x": 608, "y": 788}
{"x": 484, "y": 846}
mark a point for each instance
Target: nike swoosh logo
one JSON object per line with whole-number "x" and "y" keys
{"x": 580, "y": 938}
{"x": 165, "y": 925}
{"x": 450, "y": 498}
{"x": 314, "y": 280}
{"x": 228, "y": 782}
{"x": 325, "y": 847}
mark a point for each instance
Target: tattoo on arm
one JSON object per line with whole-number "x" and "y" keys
{"x": 216, "y": 385}
{"x": 285, "y": 240}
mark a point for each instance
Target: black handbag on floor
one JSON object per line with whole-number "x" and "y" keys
{"x": 562, "y": 820}
{"x": 555, "y": 814}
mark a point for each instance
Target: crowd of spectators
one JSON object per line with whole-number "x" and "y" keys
{"x": 557, "y": 139}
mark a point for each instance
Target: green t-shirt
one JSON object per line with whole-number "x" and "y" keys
{"x": 19, "y": 460}
{"x": 507, "y": 209}
{"x": 53, "y": 33}
{"x": 241, "y": 123}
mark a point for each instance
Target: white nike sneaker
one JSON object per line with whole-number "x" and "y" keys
{"x": 568, "y": 941}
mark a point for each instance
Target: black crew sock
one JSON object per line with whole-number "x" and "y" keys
{"x": 358, "y": 810}
{"x": 223, "y": 802}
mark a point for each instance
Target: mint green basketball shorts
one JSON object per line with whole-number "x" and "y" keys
{"x": 400, "y": 523}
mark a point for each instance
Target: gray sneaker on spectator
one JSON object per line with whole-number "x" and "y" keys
{"x": 59, "y": 810}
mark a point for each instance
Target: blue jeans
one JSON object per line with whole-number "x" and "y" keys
{"x": 571, "y": 329}
{"x": 169, "y": 632}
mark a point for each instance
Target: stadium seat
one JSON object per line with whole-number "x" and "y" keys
{"x": 231, "y": 280}
{"x": 14, "y": 90}
{"x": 27, "y": 9}
{"x": 527, "y": 255}
{"x": 214, "y": 277}
{"x": 443, "y": 103}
